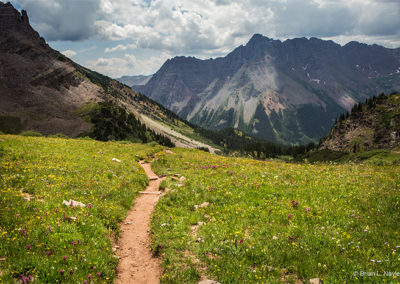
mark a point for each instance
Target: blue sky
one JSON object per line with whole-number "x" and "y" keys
{"x": 131, "y": 37}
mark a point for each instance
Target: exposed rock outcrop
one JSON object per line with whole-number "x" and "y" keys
{"x": 11, "y": 21}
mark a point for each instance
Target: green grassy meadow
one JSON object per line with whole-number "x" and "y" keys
{"x": 230, "y": 219}
{"x": 245, "y": 221}
{"x": 40, "y": 238}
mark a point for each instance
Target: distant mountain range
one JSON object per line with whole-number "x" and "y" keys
{"x": 42, "y": 90}
{"x": 137, "y": 80}
{"x": 286, "y": 92}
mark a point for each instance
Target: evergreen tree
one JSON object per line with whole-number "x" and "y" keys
{"x": 114, "y": 123}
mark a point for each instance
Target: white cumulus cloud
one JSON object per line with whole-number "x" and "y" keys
{"x": 206, "y": 28}
{"x": 120, "y": 47}
{"x": 201, "y": 27}
{"x": 127, "y": 65}
{"x": 69, "y": 53}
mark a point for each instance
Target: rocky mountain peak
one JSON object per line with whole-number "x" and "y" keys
{"x": 11, "y": 21}
{"x": 287, "y": 92}
{"x": 257, "y": 38}
{"x": 260, "y": 40}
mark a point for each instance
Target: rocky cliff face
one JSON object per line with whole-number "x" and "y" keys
{"x": 12, "y": 21}
{"x": 372, "y": 125}
{"x": 287, "y": 92}
{"x": 39, "y": 87}
{"x": 42, "y": 90}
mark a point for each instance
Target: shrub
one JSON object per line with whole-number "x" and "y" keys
{"x": 163, "y": 185}
{"x": 31, "y": 133}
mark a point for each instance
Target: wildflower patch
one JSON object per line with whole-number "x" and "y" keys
{"x": 61, "y": 203}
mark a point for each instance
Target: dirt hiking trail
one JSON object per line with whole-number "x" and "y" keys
{"x": 136, "y": 263}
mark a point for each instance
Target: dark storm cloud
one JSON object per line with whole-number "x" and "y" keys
{"x": 66, "y": 20}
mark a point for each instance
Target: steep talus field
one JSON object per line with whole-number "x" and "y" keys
{"x": 287, "y": 92}
{"x": 246, "y": 221}
{"x": 43, "y": 239}
{"x": 374, "y": 124}
{"x": 42, "y": 90}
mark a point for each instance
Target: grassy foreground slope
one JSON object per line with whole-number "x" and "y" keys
{"x": 42, "y": 239}
{"x": 246, "y": 221}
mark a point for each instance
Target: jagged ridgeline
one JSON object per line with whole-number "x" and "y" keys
{"x": 111, "y": 122}
{"x": 286, "y": 92}
{"x": 44, "y": 91}
{"x": 373, "y": 124}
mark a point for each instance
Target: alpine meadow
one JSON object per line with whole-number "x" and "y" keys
{"x": 211, "y": 142}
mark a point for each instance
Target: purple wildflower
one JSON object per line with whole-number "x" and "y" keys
{"x": 26, "y": 279}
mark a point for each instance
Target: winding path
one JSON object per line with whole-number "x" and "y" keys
{"x": 136, "y": 263}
